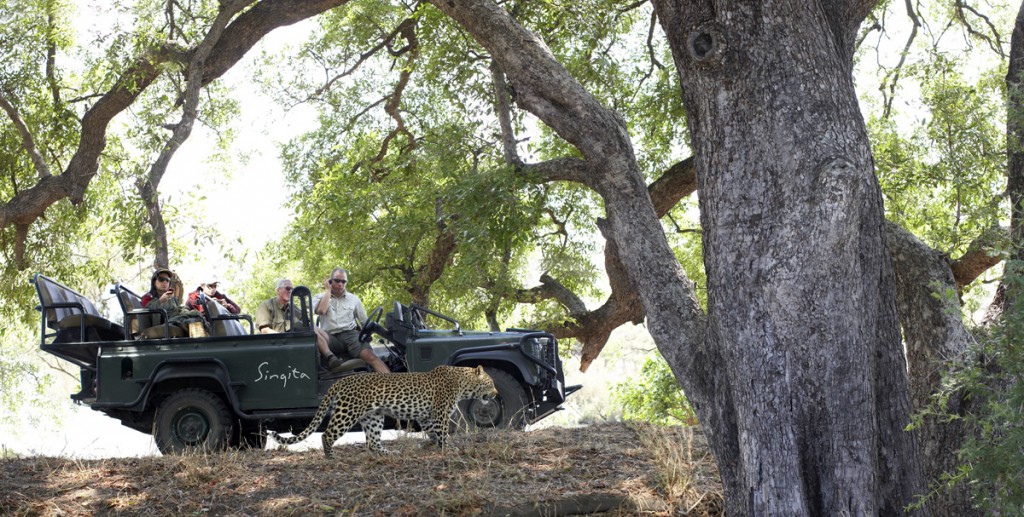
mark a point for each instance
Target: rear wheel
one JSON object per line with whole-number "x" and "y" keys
{"x": 506, "y": 411}
{"x": 192, "y": 420}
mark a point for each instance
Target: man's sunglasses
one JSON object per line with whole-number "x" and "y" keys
{"x": 336, "y": 281}
{"x": 163, "y": 279}
{"x": 287, "y": 288}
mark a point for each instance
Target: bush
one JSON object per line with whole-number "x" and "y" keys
{"x": 654, "y": 396}
{"x": 992, "y": 455}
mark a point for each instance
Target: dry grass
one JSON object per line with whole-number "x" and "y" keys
{"x": 617, "y": 468}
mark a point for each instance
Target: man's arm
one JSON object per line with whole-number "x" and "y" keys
{"x": 320, "y": 307}
{"x": 360, "y": 313}
{"x": 262, "y": 319}
{"x": 230, "y": 304}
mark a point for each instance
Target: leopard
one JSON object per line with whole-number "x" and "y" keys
{"x": 429, "y": 398}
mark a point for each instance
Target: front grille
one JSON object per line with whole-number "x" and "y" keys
{"x": 551, "y": 352}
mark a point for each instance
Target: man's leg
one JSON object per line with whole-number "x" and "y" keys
{"x": 323, "y": 345}
{"x": 350, "y": 339}
{"x": 371, "y": 359}
{"x": 321, "y": 342}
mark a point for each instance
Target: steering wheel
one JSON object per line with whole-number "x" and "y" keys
{"x": 372, "y": 323}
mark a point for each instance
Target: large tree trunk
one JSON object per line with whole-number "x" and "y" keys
{"x": 1014, "y": 153}
{"x": 800, "y": 284}
{"x": 801, "y": 382}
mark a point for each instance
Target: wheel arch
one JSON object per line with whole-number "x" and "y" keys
{"x": 512, "y": 364}
{"x": 211, "y": 375}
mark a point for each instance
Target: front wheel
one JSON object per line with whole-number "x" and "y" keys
{"x": 506, "y": 411}
{"x": 192, "y": 420}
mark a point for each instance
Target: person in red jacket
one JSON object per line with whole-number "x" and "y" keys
{"x": 208, "y": 289}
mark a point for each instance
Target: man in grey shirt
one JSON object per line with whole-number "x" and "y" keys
{"x": 341, "y": 313}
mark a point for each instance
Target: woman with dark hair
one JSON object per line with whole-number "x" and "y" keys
{"x": 161, "y": 290}
{"x": 165, "y": 292}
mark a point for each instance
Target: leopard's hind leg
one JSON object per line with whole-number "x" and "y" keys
{"x": 373, "y": 425}
{"x": 341, "y": 421}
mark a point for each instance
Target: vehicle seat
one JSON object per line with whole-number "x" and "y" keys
{"x": 65, "y": 311}
{"x": 138, "y": 320}
{"x": 222, "y": 322}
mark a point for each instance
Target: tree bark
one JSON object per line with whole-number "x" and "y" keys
{"x": 801, "y": 293}
{"x": 1015, "y": 154}
{"x": 935, "y": 339}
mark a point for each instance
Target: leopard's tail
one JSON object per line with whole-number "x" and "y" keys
{"x": 321, "y": 413}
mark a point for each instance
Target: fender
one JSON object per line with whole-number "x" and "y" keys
{"x": 205, "y": 368}
{"x": 508, "y": 354}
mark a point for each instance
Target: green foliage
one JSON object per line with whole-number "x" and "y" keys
{"x": 380, "y": 201}
{"x": 105, "y": 238}
{"x": 654, "y": 396}
{"x": 992, "y": 453}
{"x": 943, "y": 181}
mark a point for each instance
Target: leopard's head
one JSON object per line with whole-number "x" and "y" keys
{"x": 482, "y": 385}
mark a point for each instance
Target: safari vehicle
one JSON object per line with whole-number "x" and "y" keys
{"x": 225, "y": 389}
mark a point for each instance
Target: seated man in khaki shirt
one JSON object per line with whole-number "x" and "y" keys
{"x": 341, "y": 313}
{"x": 273, "y": 316}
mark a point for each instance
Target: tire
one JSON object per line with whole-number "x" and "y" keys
{"x": 506, "y": 411}
{"x": 192, "y": 420}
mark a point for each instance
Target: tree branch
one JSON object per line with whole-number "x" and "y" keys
{"x": 981, "y": 255}
{"x": 559, "y": 169}
{"x": 148, "y": 189}
{"x": 623, "y": 305}
{"x": 252, "y": 25}
{"x": 29, "y": 204}
{"x": 997, "y": 44}
{"x": 51, "y": 59}
{"x": 893, "y": 76}
{"x": 27, "y": 142}
{"x": 440, "y": 257}
{"x": 503, "y": 109}
{"x": 388, "y": 39}
{"x": 551, "y": 289}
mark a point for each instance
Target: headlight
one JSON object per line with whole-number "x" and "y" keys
{"x": 535, "y": 349}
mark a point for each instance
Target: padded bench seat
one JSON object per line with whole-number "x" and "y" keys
{"x": 143, "y": 323}
{"x": 70, "y": 323}
{"x": 64, "y": 308}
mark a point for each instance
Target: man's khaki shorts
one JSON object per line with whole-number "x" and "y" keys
{"x": 345, "y": 344}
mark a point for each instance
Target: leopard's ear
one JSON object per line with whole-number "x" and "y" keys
{"x": 480, "y": 371}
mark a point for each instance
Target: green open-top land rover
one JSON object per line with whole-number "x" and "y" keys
{"x": 227, "y": 388}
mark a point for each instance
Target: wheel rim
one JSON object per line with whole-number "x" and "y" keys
{"x": 485, "y": 413}
{"x": 191, "y": 427}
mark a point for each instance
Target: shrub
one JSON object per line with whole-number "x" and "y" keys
{"x": 654, "y": 396}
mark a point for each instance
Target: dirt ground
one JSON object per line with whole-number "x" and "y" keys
{"x": 608, "y": 469}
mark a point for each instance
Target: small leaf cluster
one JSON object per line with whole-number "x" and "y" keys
{"x": 654, "y": 396}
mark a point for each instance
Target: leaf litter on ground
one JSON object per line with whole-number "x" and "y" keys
{"x": 607, "y": 469}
